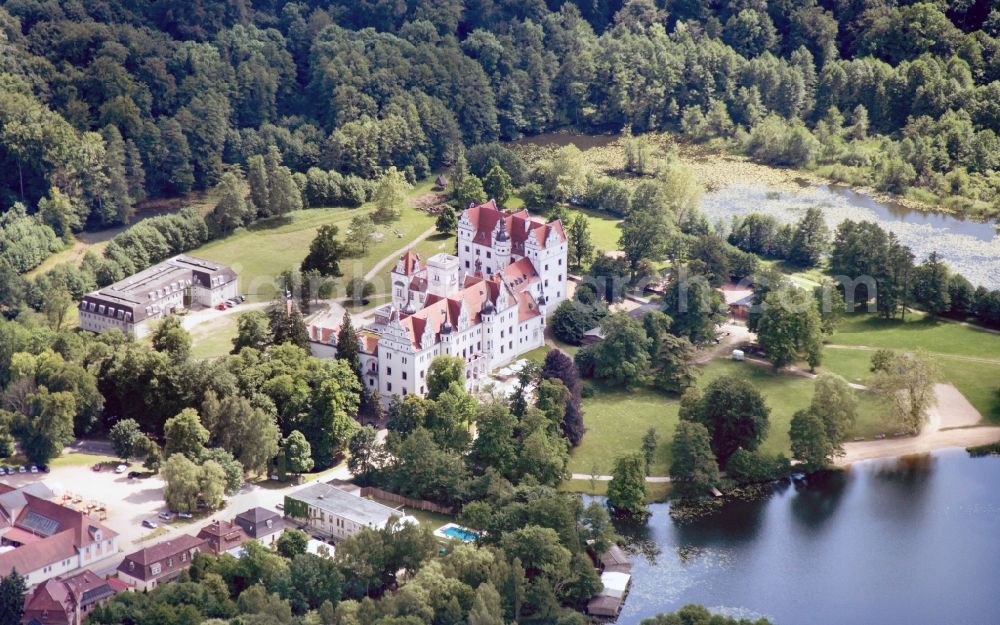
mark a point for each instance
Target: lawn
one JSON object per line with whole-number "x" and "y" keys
{"x": 430, "y": 520}
{"x": 616, "y": 420}
{"x": 214, "y": 338}
{"x": 604, "y": 232}
{"x": 968, "y": 357}
{"x": 918, "y": 332}
{"x": 268, "y": 247}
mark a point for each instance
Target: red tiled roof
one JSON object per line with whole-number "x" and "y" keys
{"x": 51, "y": 603}
{"x": 72, "y": 531}
{"x": 519, "y": 226}
{"x": 526, "y": 306}
{"x": 23, "y": 536}
{"x": 409, "y": 263}
{"x": 138, "y": 564}
{"x": 369, "y": 343}
{"x": 438, "y": 310}
{"x": 322, "y": 334}
{"x": 35, "y": 556}
{"x": 222, "y": 536}
{"x": 521, "y": 274}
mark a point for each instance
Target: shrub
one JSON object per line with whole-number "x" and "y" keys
{"x": 751, "y": 467}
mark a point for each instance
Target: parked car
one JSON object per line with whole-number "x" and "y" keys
{"x": 22, "y": 469}
{"x": 220, "y": 306}
{"x": 34, "y": 469}
{"x": 243, "y": 298}
{"x": 280, "y": 506}
{"x": 166, "y": 516}
{"x": 121, "y": 468}
{"x": 44, "y": 468}
{"x": 185, "y": 515}
{"x": 133, "y": 474}
{"x": 228, "y": 304}
{"x": 96, "y": 468}
{"x": 3, "y": 471}
{"x": 150, "y": 523}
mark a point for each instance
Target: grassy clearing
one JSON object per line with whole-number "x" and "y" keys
{"x": 616, "y": 420}
{"x": 259, "y": 253}
{"x": 917, "y": 332}
{"x": 79, "y": 460}
{"x": 214, "y": 338}
{"x": 430, "y": 520}
{"x": 604, "y": 230}
{"x": 968, "y": 357}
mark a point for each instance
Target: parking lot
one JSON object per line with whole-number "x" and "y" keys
{"x": 131, "y": 501}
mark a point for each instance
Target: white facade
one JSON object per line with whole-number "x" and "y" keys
{"x": 487, "y": 305}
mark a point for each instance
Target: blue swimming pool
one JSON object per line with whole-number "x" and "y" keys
{"x": 460, "y": 533}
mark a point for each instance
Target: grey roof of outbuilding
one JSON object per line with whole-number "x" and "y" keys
{"x": 345, "y": 505}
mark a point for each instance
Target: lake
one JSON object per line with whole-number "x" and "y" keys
{"x": 971, "y": 248}
{"x": 911, "y": 540}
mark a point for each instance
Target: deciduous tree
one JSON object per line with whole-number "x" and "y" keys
{"x": 627, "y": 488}
{"x": 693, "y": 469}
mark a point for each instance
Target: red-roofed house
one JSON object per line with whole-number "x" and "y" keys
{"x": 148, "y": 567}
{"x": 68, "y": 600}
{"x": 51, "y": 540}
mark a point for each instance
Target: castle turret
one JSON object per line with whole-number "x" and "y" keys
{"x": 501, "y": 246}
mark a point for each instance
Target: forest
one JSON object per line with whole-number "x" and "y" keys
{"x": 105, "y": 104}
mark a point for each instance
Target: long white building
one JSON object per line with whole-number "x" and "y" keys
{"x": 487, "y": 305}
{"x": 135, "y": 304}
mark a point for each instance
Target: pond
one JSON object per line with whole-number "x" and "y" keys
{"x": 911, "y": 540}
{"x": 970, "y": 248}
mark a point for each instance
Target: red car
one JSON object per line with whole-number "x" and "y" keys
{"x": 96, "y": 467}
{"x": 220, "y": 306}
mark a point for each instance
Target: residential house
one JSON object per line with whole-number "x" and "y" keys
{"x": 147, "y": 568}
{"x": 223, "y": 537}
{"x": 68, "y": 600}
{"x": 260, "y": 524}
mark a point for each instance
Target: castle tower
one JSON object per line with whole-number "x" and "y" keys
{"x": 442, "y": 274}
{"x": 501, "y": 246}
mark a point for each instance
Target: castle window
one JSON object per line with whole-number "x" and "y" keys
{"x": 466, "y": 248}
{"x": 404, "y": 375}
{"x": 388, "y": 386}
{"x": 489, "y": 254}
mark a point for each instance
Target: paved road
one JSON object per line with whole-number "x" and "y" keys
{"x": 380, "y": 265}
{"x": 652, "y": 479}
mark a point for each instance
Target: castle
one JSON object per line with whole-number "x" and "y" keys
{"x": 487, "y": 305}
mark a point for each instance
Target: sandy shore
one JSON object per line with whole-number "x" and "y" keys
{"x": 930, "y": 441}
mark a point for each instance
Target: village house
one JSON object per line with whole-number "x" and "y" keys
{"x": 223, "y": 537}
{"x": 337, "y": 514}
{"x": 135, "y": 304}
{"x": 68, "y": 600}
{"x": 260, "y": 524}
{"x": 487, "y": 305}
{"x": 42, "y": 539}
{"x": 147, "y": 568}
